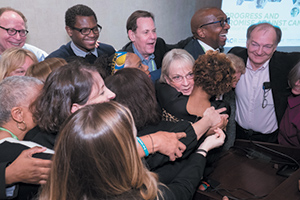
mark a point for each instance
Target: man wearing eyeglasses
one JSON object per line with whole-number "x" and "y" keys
{"x": 261, "y": 93}
{"x": 13, "y": 32}
{"x": 209, "y": 27}
{"x": 82, "y": 27}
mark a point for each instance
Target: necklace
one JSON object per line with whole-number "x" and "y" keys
{"x": 12, "y": 135}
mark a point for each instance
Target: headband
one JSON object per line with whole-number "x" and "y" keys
{"x": 118, "y": 61}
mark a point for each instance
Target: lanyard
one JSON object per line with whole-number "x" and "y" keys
{"x": 152, "y": 65}
{"x": 12, "y": 135}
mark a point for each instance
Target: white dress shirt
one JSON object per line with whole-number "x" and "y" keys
{"x": 250, "y": 113}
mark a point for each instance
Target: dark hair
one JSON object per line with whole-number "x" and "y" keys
{"x": 78, "y": 10}
{"x": 131, "y": 21}
{"x": 265, "y": 26}
{"x": 96, "y": 157}
{"x": 135, "y": 89}
{"x": 5, "y": 9}
{"x": 63, "y": 87}
{"x": 213, "y": 72}
{"x": 103, "y": 64}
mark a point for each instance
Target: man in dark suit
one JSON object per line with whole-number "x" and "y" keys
{"x": 209, "y": 27}
{"x": 261, "y": 93}
{"x": 82, "y": 27}
{"x": 141, "y": 31}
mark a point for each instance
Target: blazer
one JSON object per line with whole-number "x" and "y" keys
{"x": 194, "y": 48}
{"x": 279, "y": 66}
{"x": 161, "y": 48}
{"x": 66, "y": 52}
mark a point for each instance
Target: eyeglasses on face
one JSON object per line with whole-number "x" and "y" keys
{"x": 86, "y": 31}
{"x": 12, "y": 31}
{"x": 178, "y": 78}
{"x": 222, "y": 22}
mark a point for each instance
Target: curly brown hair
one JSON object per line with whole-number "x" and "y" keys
{"x": 213, "y": 72}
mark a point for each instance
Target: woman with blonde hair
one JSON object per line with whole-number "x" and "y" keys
{"x": 96, "y": 157}
{"x": 15, "y": 62}
{"x": 42, "y": 69}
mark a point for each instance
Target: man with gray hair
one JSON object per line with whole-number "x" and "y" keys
{"x": 261, "y": 93}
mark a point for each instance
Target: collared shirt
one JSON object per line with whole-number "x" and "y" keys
{"x": 78, "y": 52}
{"x": 149, "y": 62}
{"x": 39, "y": 53}
{"x": 206, "y": 47}
{"x": 250, "y": 95}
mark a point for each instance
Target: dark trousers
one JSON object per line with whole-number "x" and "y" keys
{"x": 245, "y": 134}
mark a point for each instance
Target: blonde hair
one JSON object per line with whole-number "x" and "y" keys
{"x": 97, "y": 142}
{"x": 174, "y": 54}
{"x": 237, "y": 63}
{"x": 13, "y": 58}
{"x": 42, "y": 69}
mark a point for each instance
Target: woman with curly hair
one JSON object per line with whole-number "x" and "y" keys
{"x": 213, "y": 76}
{"x": 185, "y": 91}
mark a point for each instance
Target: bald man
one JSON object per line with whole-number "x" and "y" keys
{"x": 13, "y": 32}
{"x": 209, "y": 28}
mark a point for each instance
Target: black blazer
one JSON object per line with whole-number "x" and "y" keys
{"x": 194, "y": 48}
{"x": 279, "y": 66}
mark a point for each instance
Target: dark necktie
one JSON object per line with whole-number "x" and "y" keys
{"x": 90, "y": 58}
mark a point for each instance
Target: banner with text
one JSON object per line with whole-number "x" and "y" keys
{"x": 282, "y": 13}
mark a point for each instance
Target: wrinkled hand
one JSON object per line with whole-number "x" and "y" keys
{"x": 214, "y": 115}
{"x": 27, "y": 169}
{"x": 222, "y": 125}
{"x": 168, "y": 143}
{"x": 215, "y": 140}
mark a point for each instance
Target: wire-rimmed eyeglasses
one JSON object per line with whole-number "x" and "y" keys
{"x": 179, "y": 78}
{"x": 266, "y": 89}
{"x": 222, "y": 22}
{"x": 86, "y": 31}
{"x": 12, "y": 31}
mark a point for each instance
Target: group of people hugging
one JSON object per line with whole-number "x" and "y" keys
{"x": 146, "y": 122}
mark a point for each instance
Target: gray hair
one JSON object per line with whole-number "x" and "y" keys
{"x": 265, "y": 26}
{"x": 14, "y": 91}
{"x": 174, "y": 54}
{"x": 294, "y": 75}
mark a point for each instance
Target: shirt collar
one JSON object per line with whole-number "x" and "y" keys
{"x": 151, "y": 57}
{"x": 266, "y": 64}
{"x": 294, "y": 101}
{"x": 80, "y": 53}
{"x": 206, "y": 47}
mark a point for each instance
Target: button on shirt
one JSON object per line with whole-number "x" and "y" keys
{"x": 150, "y": 62}
{"x": 249, "y": 98}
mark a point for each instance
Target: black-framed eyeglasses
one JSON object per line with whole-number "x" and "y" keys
{"x": 86, "y": 31}
{"x": 222, "y": 22}
{"x": 12, "y": 31}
